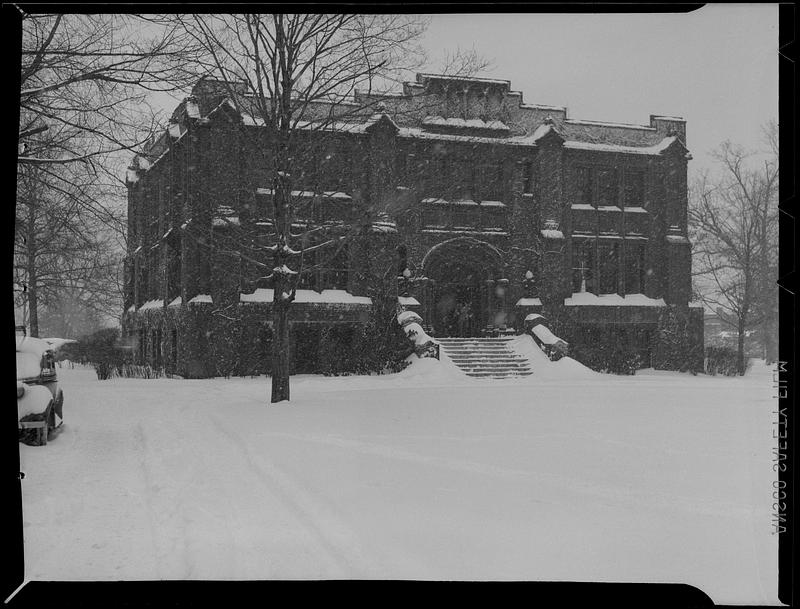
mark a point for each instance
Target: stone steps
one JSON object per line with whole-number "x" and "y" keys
{"x": 485, "y": 357}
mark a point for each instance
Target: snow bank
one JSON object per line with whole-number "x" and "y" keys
{"x": 565, "y": 369}
{"x": 401, "y": 479}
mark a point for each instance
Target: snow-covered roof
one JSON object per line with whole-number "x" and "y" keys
{"x": 309, "y": 296}
{"x": 471, "y": 123}
{"x": 201, "y": 298}
{"x": 152, "y": 304}
{"x": 612, "y": 300}
{"x": 577, "y": 121}
{"x": 176, "y": 302}
{"x": 541, "y": 131}
{"x": 529, "y": 302}
{"x": 649, "y": 150}
{"x": 492, "y": 204}
{"x": 549, "y": 233}
{"x": 408, "y": 301}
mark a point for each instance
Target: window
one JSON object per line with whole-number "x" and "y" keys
{"x": 634, "y": 268}
{"x": 583, "y": 186}
{"x": 491, "y": 181}
{"x": 440, "y": 178}
{"x": 432, "y": 217}
{"x": 527, "y": 177}
{"x": 335, "y": 271}
{"x": 608, "y": 258}
{"x": 464, "y": 217}
{"x": 607, "y": 187}
{"x": 583, "y": 267}
{"x": 402, "y": 259}
{"x": 634, "y": 188}
{"x": 463, "y": 180}
{"x": 499, "y": 179}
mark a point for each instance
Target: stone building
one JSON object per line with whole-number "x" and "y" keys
{"x": 484, "y": 207}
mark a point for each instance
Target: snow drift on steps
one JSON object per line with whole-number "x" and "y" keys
{"x": 432, "y": 371}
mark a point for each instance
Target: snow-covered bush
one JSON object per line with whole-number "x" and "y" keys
{"x": 381, "y": 343}
{"x": 612, "y": 359}
{"x": 375, "y": 347}
{"x": 677, "y": 348}
{"x": 721, "y": 360}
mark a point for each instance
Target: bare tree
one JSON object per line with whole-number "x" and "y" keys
{"x": 84, "y": 86}
{"x": 62, "y": 241}
{"x": 86, "y": 80}
{"x": 294, "y": 70}
{"x": 734, "y": 221}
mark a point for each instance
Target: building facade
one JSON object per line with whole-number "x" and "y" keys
{"x": 485, "y": 208}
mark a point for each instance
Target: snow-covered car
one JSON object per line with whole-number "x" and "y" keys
{"x": 40, "y": 400}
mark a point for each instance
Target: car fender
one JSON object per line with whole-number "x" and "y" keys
{"x": 58, "y": 407}
{"x": 35, "y": 400}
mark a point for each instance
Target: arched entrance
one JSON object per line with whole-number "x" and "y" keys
{"x": 462, "y": 300}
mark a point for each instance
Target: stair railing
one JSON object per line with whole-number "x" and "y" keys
{"x": 424, "y": 345}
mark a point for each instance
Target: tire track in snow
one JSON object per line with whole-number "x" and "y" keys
{"x": 317, "y": 516}
{"x": 613, "y": 496}
{"x": 181, "y": 498}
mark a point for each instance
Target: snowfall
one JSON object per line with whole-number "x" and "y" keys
{"x": 427, "y": 474}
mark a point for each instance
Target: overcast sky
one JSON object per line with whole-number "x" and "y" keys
{"x": 717, "y": 67}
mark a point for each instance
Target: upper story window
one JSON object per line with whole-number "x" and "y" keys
{"x": 607, "y": 194}
{"x": 634, "y": 268}
{"x": 634, "y": 188}
{"x": 584, "y": 186}
{"x": 527, "y": 177}
{"x": 583, "y": 262}
{"x": 608, "y": 262}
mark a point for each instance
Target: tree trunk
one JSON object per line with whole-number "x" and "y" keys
{"x": 280, "y": 352}
{"x": 769, "y": 329}
{"x": 33, "y": 296}
{"x": 740, "y": 350}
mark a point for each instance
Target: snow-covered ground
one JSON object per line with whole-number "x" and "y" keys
{"x": 426, "y": 474}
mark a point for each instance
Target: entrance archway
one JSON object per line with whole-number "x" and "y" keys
{"x": 462, "y": 298}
